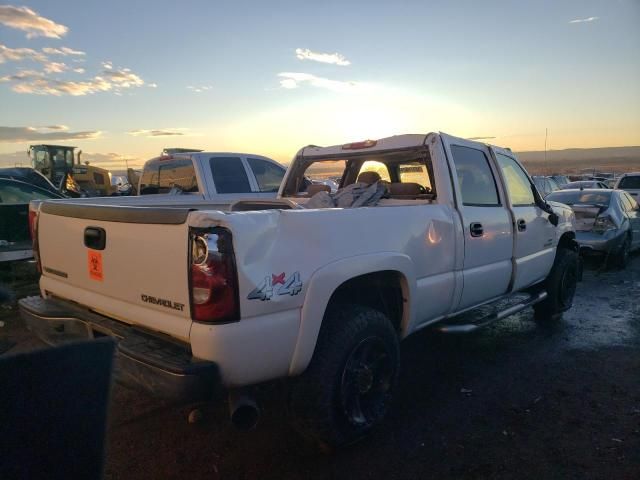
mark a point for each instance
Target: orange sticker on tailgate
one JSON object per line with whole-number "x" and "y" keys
{"x": 95, "y": 265}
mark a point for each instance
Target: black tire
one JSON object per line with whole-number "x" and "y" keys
{"x": 560, "y": 285}
{"x": 346, "y": 389}
{"x": 621, "y": 258}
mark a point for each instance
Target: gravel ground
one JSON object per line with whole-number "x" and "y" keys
{"x": 512, "y": 401}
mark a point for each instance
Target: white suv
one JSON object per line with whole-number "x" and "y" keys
{"x": 630, "y": 182}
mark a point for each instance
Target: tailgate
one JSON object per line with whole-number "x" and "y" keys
{"x": 139, "y": 275}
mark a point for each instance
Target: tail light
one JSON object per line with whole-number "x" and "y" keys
{"x": 359, "y": 145}
{"x": 213, "y": 279}
{"x": 33, "y": 232}
{"x": 603, "y": 224}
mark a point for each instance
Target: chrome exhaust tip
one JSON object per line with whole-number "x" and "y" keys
{"x": 243, "y": 410}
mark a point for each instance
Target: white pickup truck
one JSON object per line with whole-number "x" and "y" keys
{"x": 216, "y": 179}
{"x": 213, "y": 176}
{"x": 200, "y": 298}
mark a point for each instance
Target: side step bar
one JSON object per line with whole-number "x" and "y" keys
{"x": 460, "y": 328}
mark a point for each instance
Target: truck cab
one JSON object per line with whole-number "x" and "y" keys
{"x": 213, "y": 176}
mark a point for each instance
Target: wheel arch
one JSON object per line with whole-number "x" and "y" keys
{"x": 337, "y": 280}
{"x": 568, "y": 240}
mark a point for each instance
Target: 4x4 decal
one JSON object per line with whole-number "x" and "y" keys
{"x": 277, "y": 285}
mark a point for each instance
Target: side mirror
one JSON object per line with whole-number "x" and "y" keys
{"x": 544, "y": 206}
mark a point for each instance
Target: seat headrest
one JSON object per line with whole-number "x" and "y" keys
{"x": 405, "y": 189}
{"x": 317, "y": 187}
{"x": 368, "y": 178}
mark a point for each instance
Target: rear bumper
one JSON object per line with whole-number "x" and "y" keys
{"x": 594, "y": 243}
{"x": 160, "y": 366}
{"x": 14, "y": 255}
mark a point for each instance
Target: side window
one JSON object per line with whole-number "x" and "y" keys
{"x": 377, "y": 167}
{"x": 630, "y": 182}
{"x": 229, "y": 175}
{"x": 624, "y": 203}
{"x": 475, "y": 178}
{"x": 268, "y": 175}
{"x": 69, "y": 158}
{"x": 547, "y": 187}
{"x": 629, "y": 203}
{"x": 517, "y": 181}
{"x": 149, "y": 179}
{"x": 179, "y": 173}
{"x": 160, "y": 176}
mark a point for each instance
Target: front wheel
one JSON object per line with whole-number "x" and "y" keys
{"x": 560, "y": 285}
{"x": 346, "y": 390}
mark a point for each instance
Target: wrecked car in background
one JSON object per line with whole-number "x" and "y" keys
{"x": 15, "y": 241}
{"x": 607, "y": 222}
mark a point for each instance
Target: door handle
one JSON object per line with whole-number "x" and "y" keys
{"x": 95, "y": 238}
{"x": 522, "y": 225}
{"x": 476, "y": 229}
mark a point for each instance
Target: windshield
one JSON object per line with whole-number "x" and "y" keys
{"x": 630, "y": 182}
{"x": 582, "y": 198}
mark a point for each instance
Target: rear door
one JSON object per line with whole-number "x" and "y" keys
{"x": 486, "y": 220}
{"x": 534, "y": 249}
{"x": 232, "y": 180}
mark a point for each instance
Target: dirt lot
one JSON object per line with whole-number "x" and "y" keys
{"x": 513, "y": 401}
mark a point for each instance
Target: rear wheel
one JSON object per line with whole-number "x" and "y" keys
{"x": 560, "y": 285}
{"x": 346, "y": 390}
{"x": 621, "y": 258}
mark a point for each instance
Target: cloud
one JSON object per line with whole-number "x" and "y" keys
{"x": 53, "y": 127}
{"x": 291, "y": 80}
{"x": 19, "y": 54}
{"x": 200, "y": 89}
{"x": 64, "y": 51}
{"x": 124, "y": 78}
{"x": 8, "y": 54}
{"x": 333, "y": 58}
{"x": 107, "y": 65}
{"x": 25, "y": 19}
{"x": 584, "y": 20}
{"x": 152, "y": 85}
{"x": 37, "y": 83}
{"x": 53, "y": 132}
{"x": 165, "y": 132}
{"x": 55, "y": 67}
{"x": 79, "y": 70}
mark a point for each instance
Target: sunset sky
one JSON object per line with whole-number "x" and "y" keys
{"x": 123, "y": 79}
